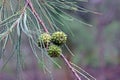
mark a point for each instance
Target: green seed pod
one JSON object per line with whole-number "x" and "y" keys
{"x": 54, "y": 51}
{"x": 44, "y": 40}
{"x": 59, "y": 38}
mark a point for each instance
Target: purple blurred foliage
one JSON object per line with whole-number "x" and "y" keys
{"x": 5, "y": 76}
{"x": 96, "y": 1}
{"x": 111, "y": 73}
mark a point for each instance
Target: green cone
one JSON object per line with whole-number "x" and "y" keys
{"x": 54, "y": 51}
{"x": 59, "y": 38}
{"x": 44, "y": 40}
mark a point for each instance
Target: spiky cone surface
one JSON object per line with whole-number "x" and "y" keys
{"x": 54, "y": 51}
{"x": 59, "y": 38}
{"x": 44, "y": 40}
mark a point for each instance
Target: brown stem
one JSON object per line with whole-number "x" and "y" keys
{"x": 37, "y": 16}
{"x": 71, "y": 68}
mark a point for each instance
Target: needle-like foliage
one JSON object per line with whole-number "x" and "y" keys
{"x": 32, "y": 18}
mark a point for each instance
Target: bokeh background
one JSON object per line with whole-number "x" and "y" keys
{"x": 96, "y": 48}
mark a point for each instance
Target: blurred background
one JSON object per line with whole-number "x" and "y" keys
{"x": 96, "y": 49}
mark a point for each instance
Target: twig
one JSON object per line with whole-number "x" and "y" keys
{"x": 37, "y": 16}
{"x": 71, "y": 68}
{"x": 82, "y": 71}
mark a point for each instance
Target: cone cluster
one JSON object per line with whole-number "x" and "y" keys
{"x": 52, "y": 42}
